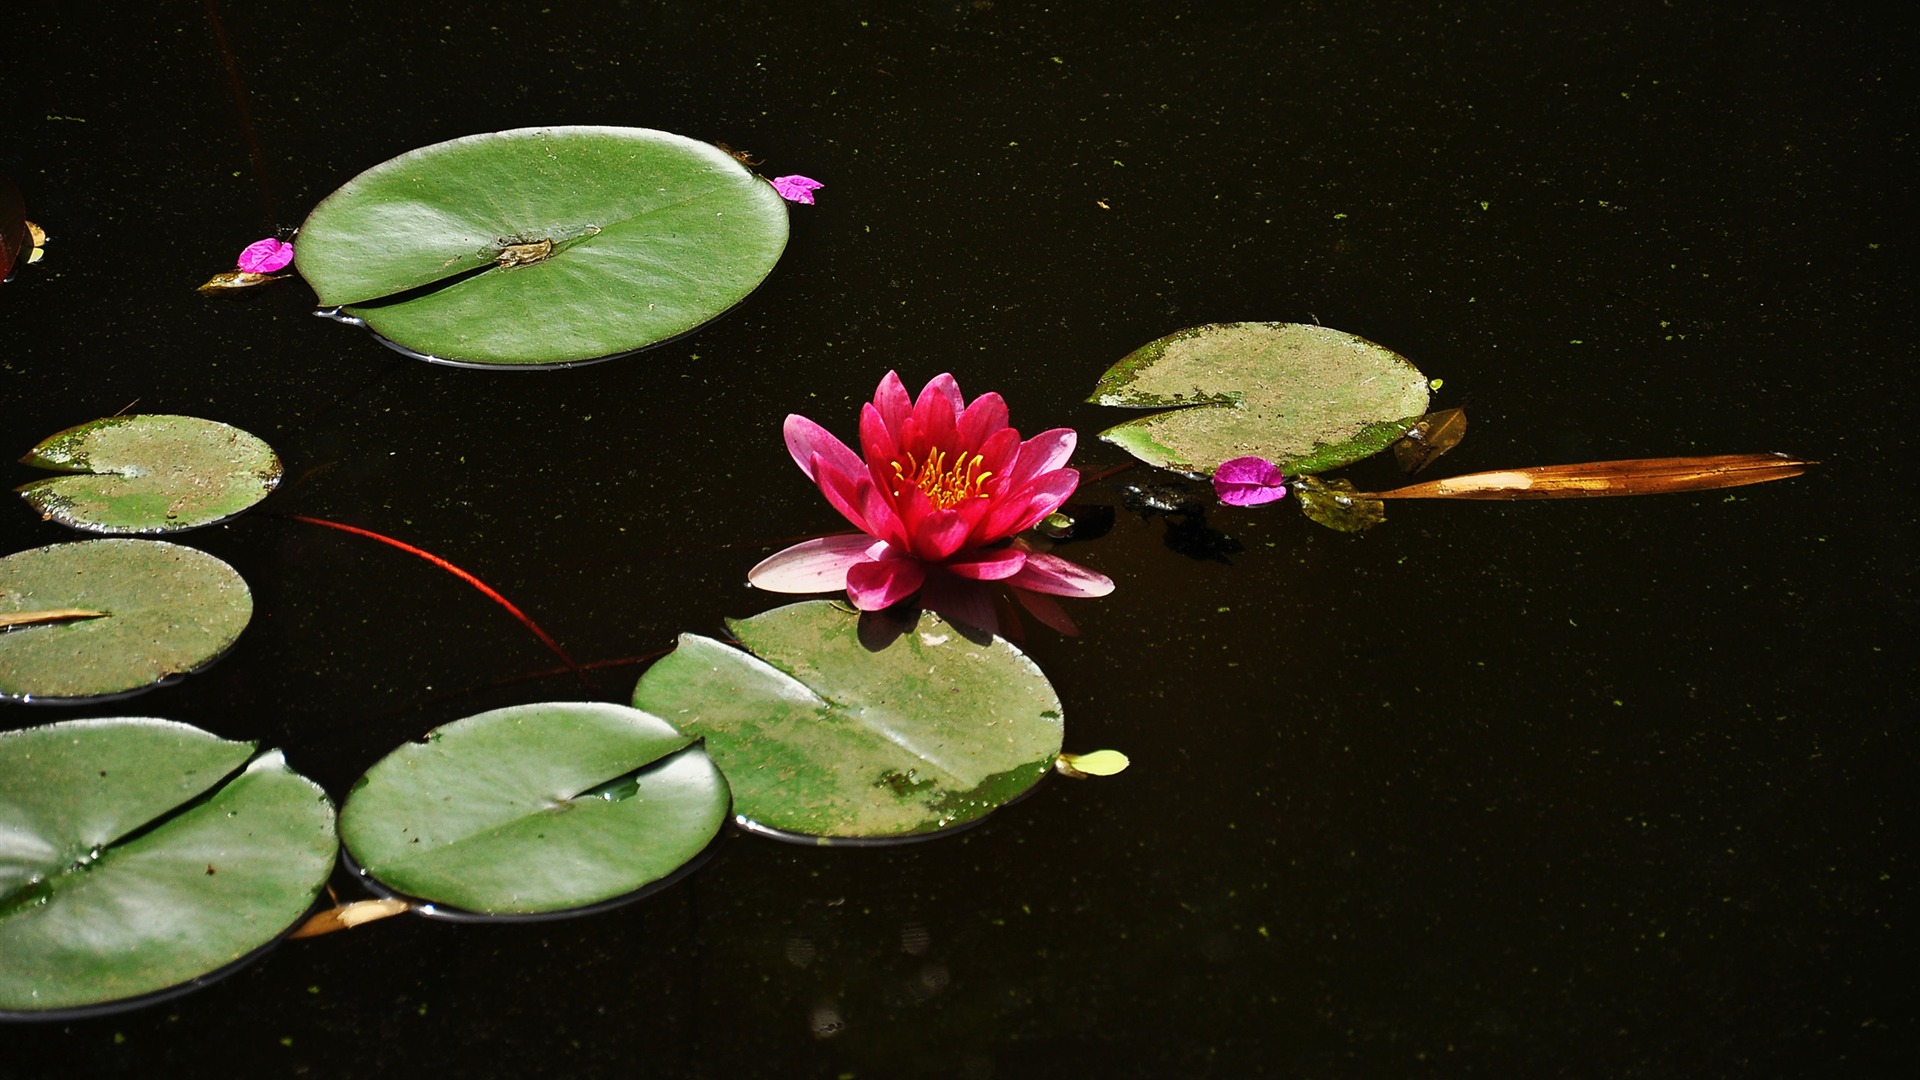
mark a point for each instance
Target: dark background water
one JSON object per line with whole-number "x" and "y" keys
{"x": 1592, "y": 789}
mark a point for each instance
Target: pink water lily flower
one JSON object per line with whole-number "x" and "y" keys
{"x": 943, "y": 488}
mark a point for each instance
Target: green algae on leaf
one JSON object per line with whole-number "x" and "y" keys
{"x": 535, "y": 809}
{"x": 825, "y": 735}
{"x": 168, "y": 611}
{"x": 1307, "y": 398}
{"x": 132, "y": 815}
{"x": 543, "y": 246}
{"x": 147, "y": 474}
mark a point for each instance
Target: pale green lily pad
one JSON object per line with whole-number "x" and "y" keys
{"x": 170, "y": 610}
{"x": 535, "y": 809}
{"x": 553, "y": 245}
{"x": 98, "y": 904}
{"x": 1304, "y": 397}
{"x": 149, "y": 474}
{"x": 822, "y": 737}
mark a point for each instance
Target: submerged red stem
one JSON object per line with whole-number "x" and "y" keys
{"x": 491, "y": 593}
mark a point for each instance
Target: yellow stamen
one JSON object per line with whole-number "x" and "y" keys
{"x": 945, "y": 486}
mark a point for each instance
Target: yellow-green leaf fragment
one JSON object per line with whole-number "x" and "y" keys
{"x": 1336, "y": 505}
{"x": 1092, "y": 763}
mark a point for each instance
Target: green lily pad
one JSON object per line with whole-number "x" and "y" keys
{"x": 535, "y": 808}
{"x": 1304, "y": 397}
{"x": 543, "y": 245}
{"x": 169, "y": 611}
{"x": 100, "y": 904}
{"x": 822, "y": 737}
{"x": 149, "y": 474}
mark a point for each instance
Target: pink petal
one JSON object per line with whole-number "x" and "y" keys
{"x": 877, "y": 443}
{"x": 848, "y": 494}
{"x": 1055, "y": 575}
{"x": 942, "y": 387}
{"x": 266, "y": 256}
{"x": 816, "y": 565}
{"x": 986, "y": 416}
{"x": 883, "y": 520}
{"x": 1047, "y": 610}
{"x": 796, "y": 188}
{"x": 893, "y": 402}
{"x": 934, "y": 414}
{"x": 995, "y": 565}
{"x": 1248, "y": 481}
{"x": 938, "y": 534}
{"x": 998, "y": 451}
{"x": 1043, "y": 453}
{"x": 883, "y": 582}
{"x": 1024, "y": 508}
{"x": 806, "y": 439}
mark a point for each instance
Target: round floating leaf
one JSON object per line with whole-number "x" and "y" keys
{"x": 169, "y": 611}
{"x": 535, "y": 808}
{"x": 543, "y": 245}
{"x": 120, "y": 876}
{"x": 150, "y": 474}
{"x": 822, "y": 736}
{"x": 1304, "y": 397}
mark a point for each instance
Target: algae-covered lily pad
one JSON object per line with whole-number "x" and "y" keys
{"x": 1304, "y": 397}
{"x": 543, "y": 245}
{"x": 824, "y": 737}
{"x": 149, "y": 474}
{"x": 535, "y": 809}
{"x": 167, "y": 611}
{"x": 134, "y": 858}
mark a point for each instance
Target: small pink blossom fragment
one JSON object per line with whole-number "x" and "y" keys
{"x": 1248, "y": 481}
{"x": 266, "y": 256}
{"x": 796, "y": 188}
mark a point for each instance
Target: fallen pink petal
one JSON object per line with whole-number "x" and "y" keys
{"x": 266, "y": 256}
{"x": 1248, "y": 481}
{"x": 796, "y": 188}
{"x": 940, "y": 492}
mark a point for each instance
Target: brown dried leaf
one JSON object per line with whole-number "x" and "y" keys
{"x": 1435, "y": 434}
{"x": 1636, "y": 476}
{"x": 348, "y": 916}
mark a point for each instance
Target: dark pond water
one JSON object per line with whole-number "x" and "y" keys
{"x": 1593, "y": 789}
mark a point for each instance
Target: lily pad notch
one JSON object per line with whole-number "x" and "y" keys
{"x": 217, "y": 849}
{"x": 149, "y": 474}
{"x": 543, "y": 247}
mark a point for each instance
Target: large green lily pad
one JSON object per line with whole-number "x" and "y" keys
{"x": 543, "y": 245}
{"x": 149, "y": 474}
{"x": 1304, "y": 397}
{"x": 535, "y": 808}
{"x": 99, "y": 904}
{"x": 167, "y": 611}
{"x": 822, "y": 737}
